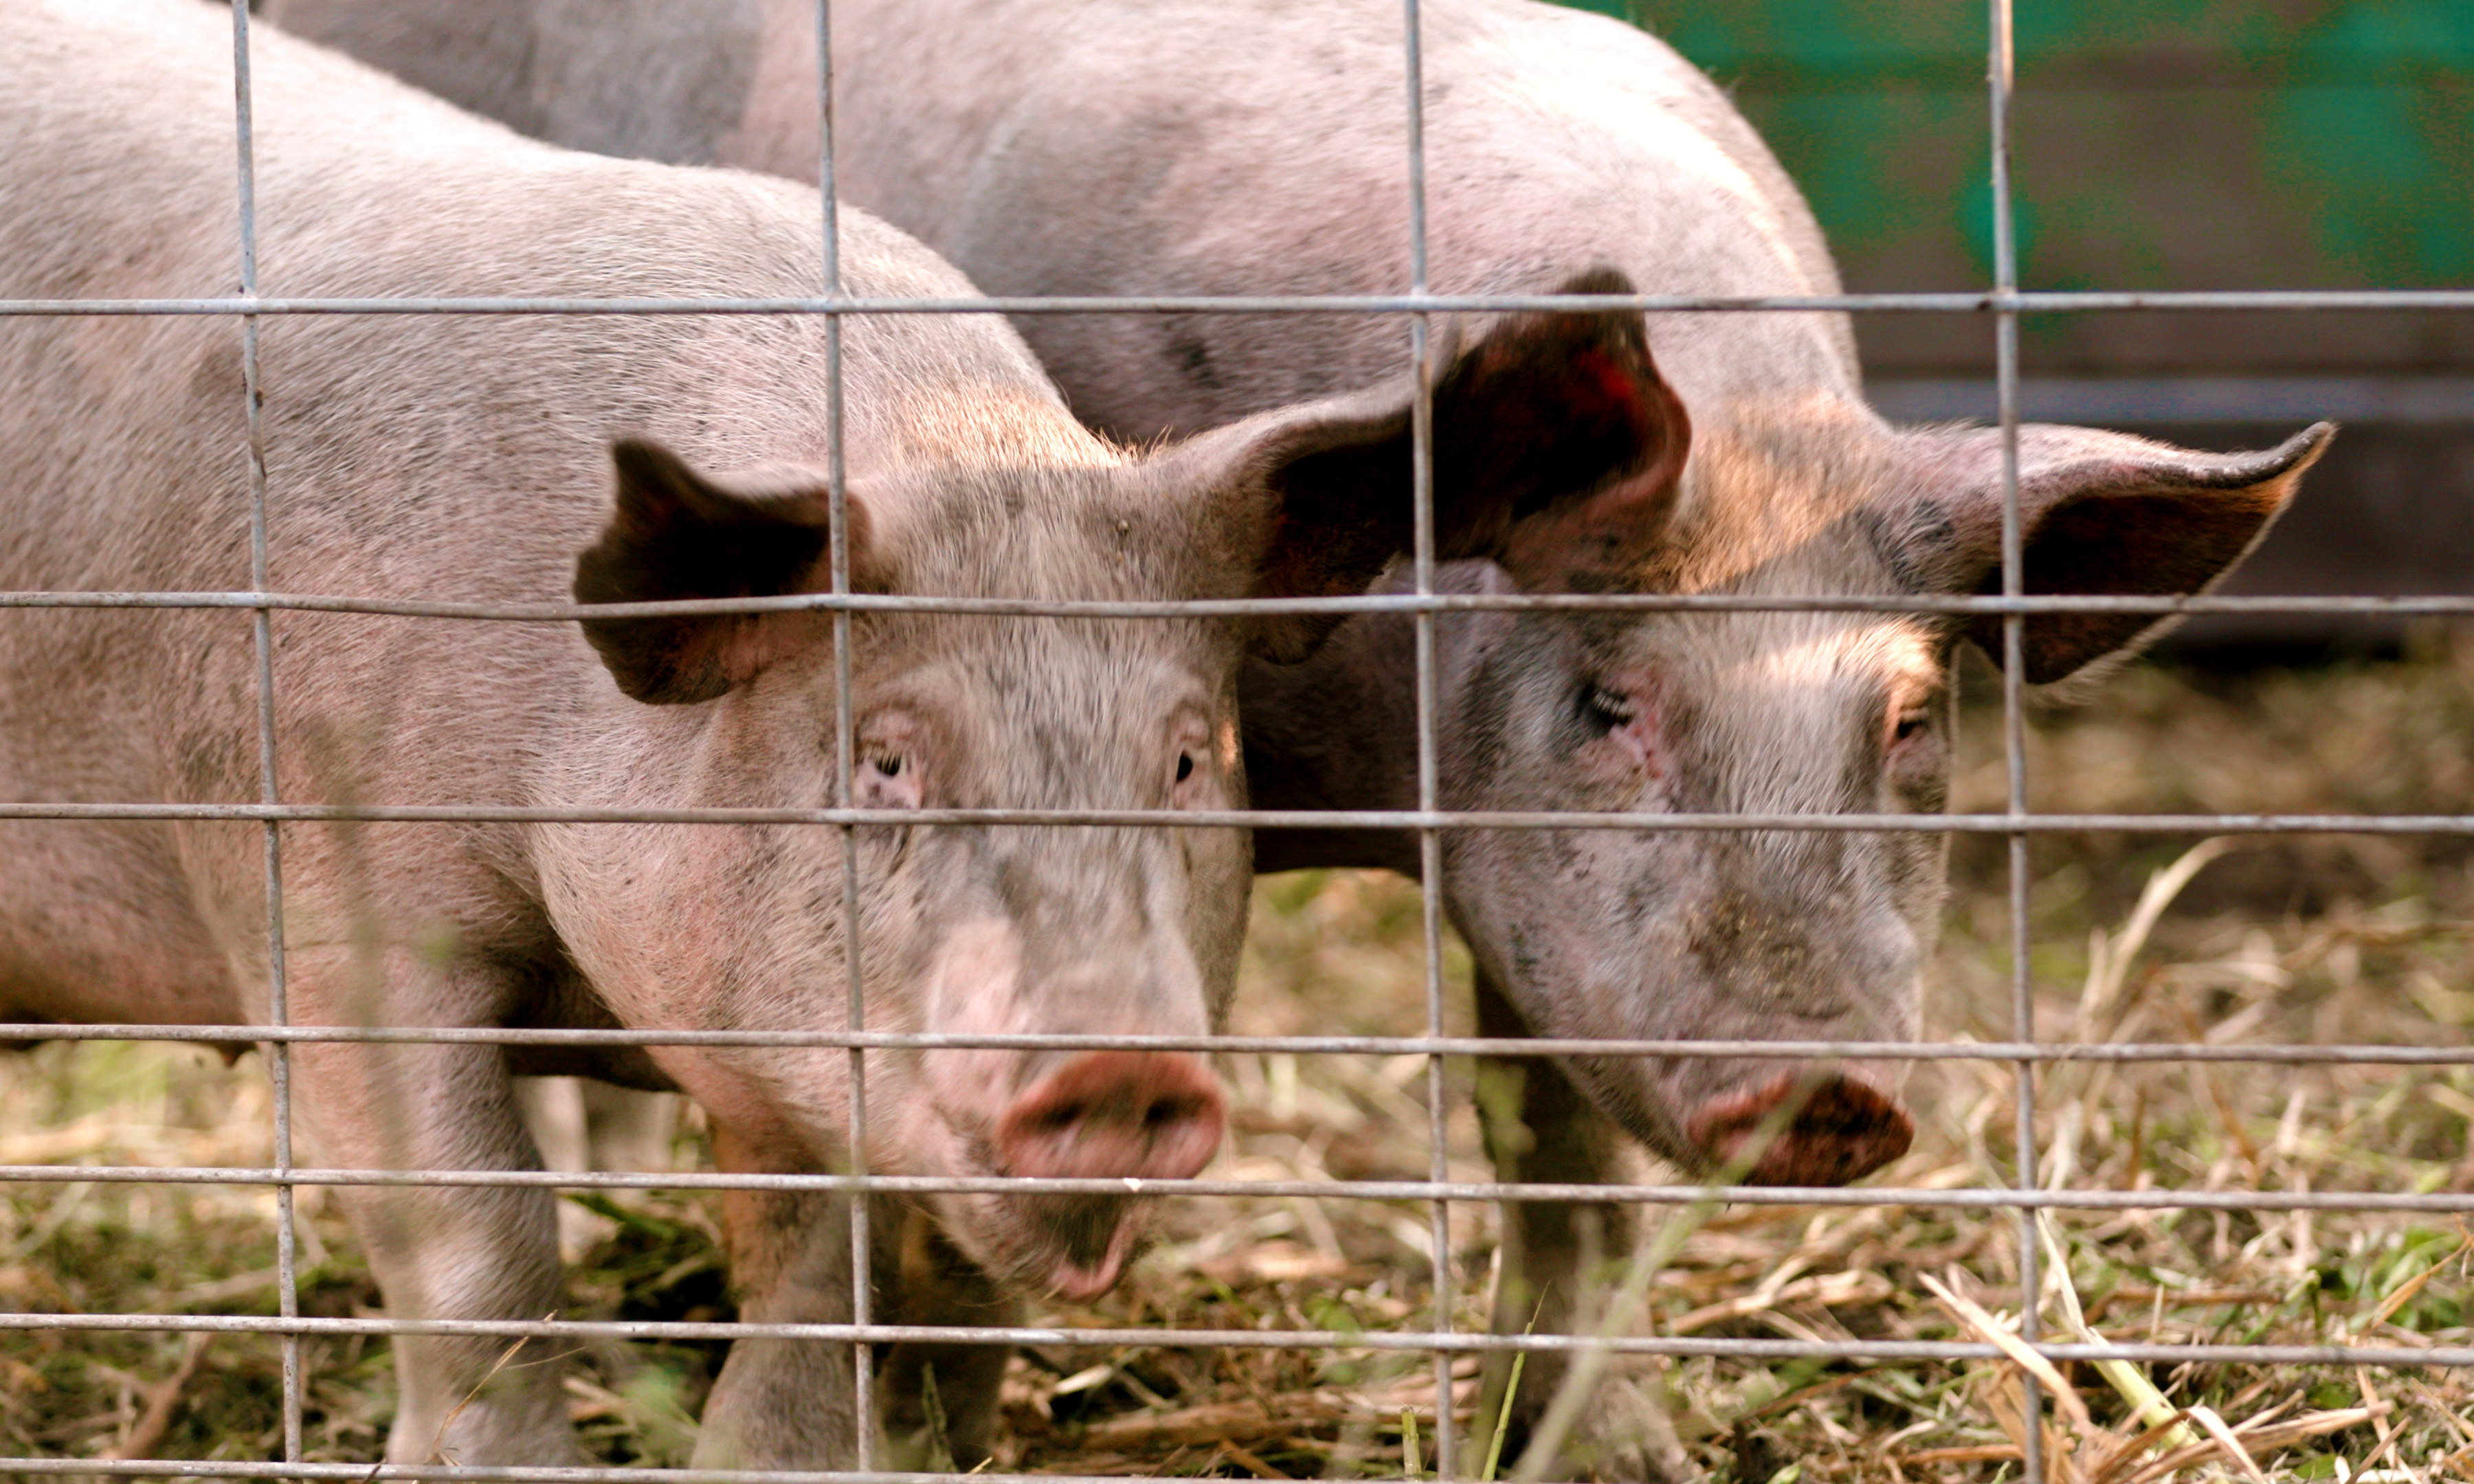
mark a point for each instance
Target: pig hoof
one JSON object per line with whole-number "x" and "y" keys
{"x": 1845, "y": 1130}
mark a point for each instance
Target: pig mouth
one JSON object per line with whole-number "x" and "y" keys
{"x": 1078, "y": 1244}
{"x": 1112, "y": 1115}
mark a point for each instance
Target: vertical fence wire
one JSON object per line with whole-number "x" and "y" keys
{"x": 1999, "y": 80}
{"x": 278, "y": 1054}
{"x": 1430, "y": 849}
{"x": 846, "y": 750}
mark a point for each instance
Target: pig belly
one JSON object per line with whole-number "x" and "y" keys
{"x": 97, "y": 924}
{"x": 99, "y": 918}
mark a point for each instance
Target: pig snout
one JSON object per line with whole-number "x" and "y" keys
{"x": 1836, "y": 1128}
{"x": 1106, "y": 1114}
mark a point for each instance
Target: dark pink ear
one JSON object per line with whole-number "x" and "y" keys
{"x": 677, "y": 533}
{"x": 2100, "y": 514}
{"x": 1557, "y": 446}
{"x": 1564, "y": 442}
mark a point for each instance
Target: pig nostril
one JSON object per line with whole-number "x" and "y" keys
{"x": 1114, "y": 1113}
{"x": 1162, "y": 1114}
{"x": 1842, "y": 1130}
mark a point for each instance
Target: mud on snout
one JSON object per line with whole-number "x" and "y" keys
{"x": 1802, "y": 1125}
{"x": 1759, "y": 1121}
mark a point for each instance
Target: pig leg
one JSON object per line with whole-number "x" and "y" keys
{"x": 580, "y": 1124}
{"x": 626, "y": 1128}
{"x": 782, "y": 1403}
{"x": 448, "y": 1254}
{"x": 555, "y": 1116}
{"x": 940, "y": 1286}
{"x": 1558, "y": 1255}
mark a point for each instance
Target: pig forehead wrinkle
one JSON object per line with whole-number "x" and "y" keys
{"x": 1862, "y": 651}
{"x": 1851, "y": 665}
{"x": 1864, "y": 656}
{"x": 1784, "y": 712}
{"x": 1112, "y": 673}
{"x": 1785, "y": 496}
{"x": 1044, "y": 702}
{"x": 1041, "y": 533}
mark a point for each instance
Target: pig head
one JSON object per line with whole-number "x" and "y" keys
{"x": 970, "y": 929}
{"x": 1737, "y": 934}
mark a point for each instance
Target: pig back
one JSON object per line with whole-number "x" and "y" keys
{"x": 1195, "y": 147}
{"x": 448, "y": 457}
{"x": 119, "y": 181}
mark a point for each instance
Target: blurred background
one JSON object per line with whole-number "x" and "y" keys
{"x": 2160, "y": 144}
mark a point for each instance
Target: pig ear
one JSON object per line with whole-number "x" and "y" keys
{"x": 675, "y": 534}
{"x": 1556, "y": 450}
{"x": 1565, "y": 445}
{"x": 2102, "y": 514}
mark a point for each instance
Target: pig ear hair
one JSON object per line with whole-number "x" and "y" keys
{"x": 1557, "y": 446}
{"x": 678, "y": 533}
{"x": 2102, "y": 514}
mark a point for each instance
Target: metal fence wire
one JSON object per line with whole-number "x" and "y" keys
{"x": 2003, "y": 301}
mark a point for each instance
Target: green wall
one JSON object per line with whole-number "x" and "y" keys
{"x": 2161, "y": 143}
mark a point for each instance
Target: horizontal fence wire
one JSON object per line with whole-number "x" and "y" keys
{"x": 1281, "y": 818}
{"x": 520, "y": 1475}
{"x": 2028, "y": 301}
{"x": 481, "y": 1473}
{"x": 2412, "y": 606}
{"x": 1309, "y": 1045}
{"x": 150, "y": 1469}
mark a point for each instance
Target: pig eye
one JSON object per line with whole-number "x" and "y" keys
{"x": 1603, "y": 710}
{"x": 1910, "y": 725}
{"x": 1185, "y": 766}
{"x": 890, "y": 765}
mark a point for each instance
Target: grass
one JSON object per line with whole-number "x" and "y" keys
{"x": 2292, "y": 939}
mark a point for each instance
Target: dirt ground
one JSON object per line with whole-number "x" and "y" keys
{"x": 2290, "y": 939}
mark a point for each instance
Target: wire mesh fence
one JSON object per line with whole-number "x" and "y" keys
{"x": 1443, "y": 1339}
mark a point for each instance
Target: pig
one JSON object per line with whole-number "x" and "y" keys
{"x": 625, "y": 458}
{"x": 1146, "y": 147}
